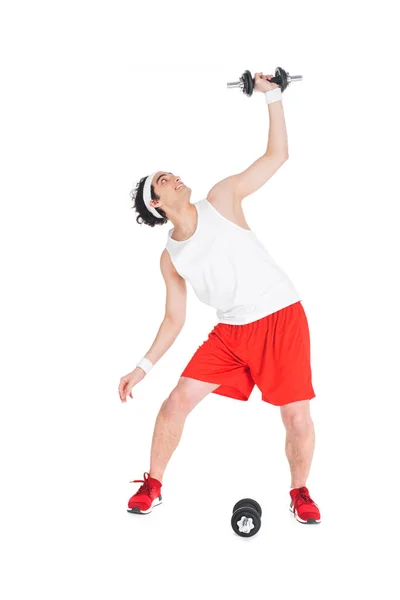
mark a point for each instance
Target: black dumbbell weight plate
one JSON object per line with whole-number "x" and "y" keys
{"x": 248, "y": 502}
{"x": 246, "y": 521}
{"x": 248, "y": 83}
{"x": 281, "y": 73}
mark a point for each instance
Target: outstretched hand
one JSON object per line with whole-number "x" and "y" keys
{"x": 128, "y": 381}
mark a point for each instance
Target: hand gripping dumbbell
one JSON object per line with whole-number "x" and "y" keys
{"x": 282, "y": 78}
{"x": 246, "y": 518}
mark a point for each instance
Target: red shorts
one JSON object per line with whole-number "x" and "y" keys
{"x": 272, "y": 352}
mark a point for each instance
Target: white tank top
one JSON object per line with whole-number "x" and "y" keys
{"x": 230, "y": 269}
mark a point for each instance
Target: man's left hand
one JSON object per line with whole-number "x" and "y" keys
{"x": 262, "y": 83}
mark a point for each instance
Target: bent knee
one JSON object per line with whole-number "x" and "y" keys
{"x": 297, "y": 422}
{"x": 178, "y": 402}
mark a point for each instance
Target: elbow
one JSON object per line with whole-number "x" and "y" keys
{"x": 281, "y": 156}
{"x": 176, "y": 322}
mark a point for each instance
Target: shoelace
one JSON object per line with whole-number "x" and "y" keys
{"x": 145, "y": 487}
{"x": 303, "y": 497}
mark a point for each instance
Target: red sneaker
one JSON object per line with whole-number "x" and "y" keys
{"x": 303, "y": 507}
{"x": 147, "y": 496}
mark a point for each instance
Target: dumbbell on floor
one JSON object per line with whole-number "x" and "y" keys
{"x": 246, "y": 517}
{"x": 282, "y": 78}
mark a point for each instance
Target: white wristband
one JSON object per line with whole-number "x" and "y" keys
{"x": 273, "y": 95}
{"x": 145, "y": 364}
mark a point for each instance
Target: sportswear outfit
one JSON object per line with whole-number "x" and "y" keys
{"x": 262, "y": 336}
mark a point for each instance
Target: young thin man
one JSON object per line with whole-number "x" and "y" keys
{"x": 262, "y": 336}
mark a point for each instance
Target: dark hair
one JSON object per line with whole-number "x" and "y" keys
{"x": 144, "y": 215}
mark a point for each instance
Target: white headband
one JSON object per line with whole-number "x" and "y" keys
{"x": 147, "y": 196}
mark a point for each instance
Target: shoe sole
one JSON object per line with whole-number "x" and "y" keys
{"x": 302, "y": 521}
{"x": 137, "y": 511}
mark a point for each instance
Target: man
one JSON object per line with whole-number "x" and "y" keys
{"x": 262, "y": 336}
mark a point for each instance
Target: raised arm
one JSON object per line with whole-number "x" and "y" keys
{"x": 251, "y": 179}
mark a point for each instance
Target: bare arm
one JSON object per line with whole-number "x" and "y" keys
{"x": 277, "y": 135}
{"x": 247, "y": 182}
{"x": 175, "y": 310}
{"x": 174, "y": 319}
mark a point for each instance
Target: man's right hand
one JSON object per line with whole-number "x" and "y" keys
{"x": 128, "y": 381}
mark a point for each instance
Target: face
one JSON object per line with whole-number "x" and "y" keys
{"x": 171, "y": 189}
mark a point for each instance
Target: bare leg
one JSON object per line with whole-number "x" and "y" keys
{"x": 300, "y": 440}
{"x": 171, "y": 419}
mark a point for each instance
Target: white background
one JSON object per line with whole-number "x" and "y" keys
{"x": 95, "y": 96}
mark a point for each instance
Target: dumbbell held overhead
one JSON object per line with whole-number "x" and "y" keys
{"x": 246, "y": 81}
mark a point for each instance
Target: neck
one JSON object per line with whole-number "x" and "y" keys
{"x": 184, "y": 220}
